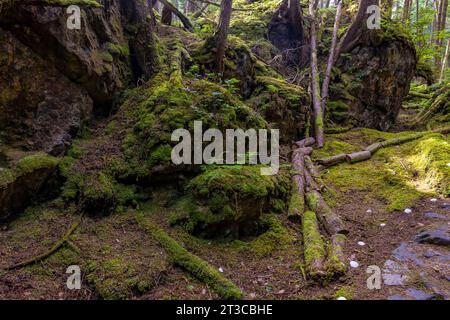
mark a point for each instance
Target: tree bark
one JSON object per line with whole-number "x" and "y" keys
{"x": 315, "y": 85}
{"x": 221, "y": 36}
{"x": 444, "y": 61}
{"x": 142, "y": 43}
{"x": 406, "y": 11}
{"x": 174, "y": 10}
{"x": 331, "y": 57}
{"x": 358, "y": 156}
{"x": 358, "y": 28}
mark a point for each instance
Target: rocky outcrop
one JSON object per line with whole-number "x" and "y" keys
{"x": 23, "y": 181}
{"x": 40, "y": 108}
{"x": 375, "y": 78}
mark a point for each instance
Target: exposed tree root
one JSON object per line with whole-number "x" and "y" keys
{"x": 198, "y": 267}
{"x": 51, "y": 251}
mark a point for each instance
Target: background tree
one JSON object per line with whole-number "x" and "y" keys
{"x": 221, "y": 36}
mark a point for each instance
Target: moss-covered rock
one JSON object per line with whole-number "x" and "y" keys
{"x": 24, "y": 181}
{"x": 232, "y": 198}
{"x": 283, "y": 105}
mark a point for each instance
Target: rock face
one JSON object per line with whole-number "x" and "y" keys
{"x": 376, "y": 75}
{"x": 92, "y": 57}
{"x": 40, "y": 109}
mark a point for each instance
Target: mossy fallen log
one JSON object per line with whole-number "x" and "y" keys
{"x": 307, "y": 142}
{"x": 330, "y": 221}
{"x": 335, "y": 264}
{"x": 337, "y": 130}
{"x": 297, "y": 201}
{"x": 358, "y": 156}
{"x": 313, "y": 246}
{"x": 369, "y": 151}
{"x": 333, "y": 160}
{"x": 198, "y": 267}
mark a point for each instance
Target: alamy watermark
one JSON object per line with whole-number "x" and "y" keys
{"x": 241, "y": 147}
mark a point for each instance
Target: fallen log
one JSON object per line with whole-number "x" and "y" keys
{"x": 297, "y": 201}
{"x": 374, "y": 147}
{"x": 335, "y": 264}
{"x": 358, "y": 156}
{"x": 307, "y": 142}
{"x": 313, "y": 246}
{"x": 337, "y": 130}
{"x": 330, "y": 221}
{"x": 369, "y": 151}
{"x": 332, "y": 160}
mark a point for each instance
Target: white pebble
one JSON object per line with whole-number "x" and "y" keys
{"x": 382, "y": 224}
{"x": 342, "y": 298}
{"x": 408, "y": 210}
{"x": 433, "y": 200}
{"x": 360, "y": 243}
{"x": 369, "y": 211}
{"x": 221, "y": 270}
{"x": 448, "y": 164}
{"x": 354, "y": 264}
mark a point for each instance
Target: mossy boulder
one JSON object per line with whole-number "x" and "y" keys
{"x": 283, "y": 105}
{"x": 231, "y": 199}
{"x": 175, "y": 103}
{"x": 23, "y": 181}
{"x": 376, "y": 75}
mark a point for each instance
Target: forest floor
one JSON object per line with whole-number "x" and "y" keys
{"x": 120, "y": 260}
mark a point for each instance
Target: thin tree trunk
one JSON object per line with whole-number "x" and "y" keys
{"x": 387, "y": 6}
{"x": 406, "y": 10}
{"x": 332, "y": 57}
{"x": 444, "y": 61}
{"x": 221, "y": 36}
{"x": 442, "y": 16}
{"x": 315, "y": 85}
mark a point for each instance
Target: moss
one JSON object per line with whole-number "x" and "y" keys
{"x": 119, "y": 49}
{"x": 314, "y": 247}
{"x": 275, "y": 238}
{"x": 198, "y": 267}
{"x": 35, "y": 162}
{"x": 116, "y": 279}
{"x": 345, "y": 291}
{"x": 6, "y": 177}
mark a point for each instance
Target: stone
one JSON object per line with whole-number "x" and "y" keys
{"x": 438, "y": 237}
{"x": 419, "y": 294}
{"x": 361, "y": 243}
{"x": 408, "y": 211}
{"x": 393, "y": 273}
{"x": 354, "y": 264}
{"x": 434, "y": 215}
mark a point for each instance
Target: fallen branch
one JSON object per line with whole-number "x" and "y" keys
{"x": 198, "y": 267}
{"x": 52, "y": 250}
{"x": 358, "y": 156}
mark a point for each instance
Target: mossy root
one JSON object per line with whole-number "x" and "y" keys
{"x": 51, "y": 251}
{"x": 198, "y": 267}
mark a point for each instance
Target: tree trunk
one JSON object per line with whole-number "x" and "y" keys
{"x": 406, "y": 11}
{"x": 358, "y": 27}
{"x": 387, "y": 6}
{"x": 332, "y": 57}
{"x": 166, "y": 16}
{"x": 440, "y": 27}
{"x": 444, "y": 61}
{"x": 142, "y": 44}
{"x": 189, "y": 7}
{"x": 315, "y": 85}
{"x": 221, "y": 36}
